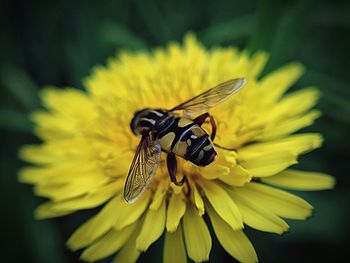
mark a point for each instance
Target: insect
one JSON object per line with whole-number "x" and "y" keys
{"x": 164, "y": 130}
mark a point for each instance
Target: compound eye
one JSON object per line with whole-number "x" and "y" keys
{"x": 134, "y": 123}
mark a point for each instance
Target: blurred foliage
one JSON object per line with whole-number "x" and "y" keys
{"x": 58, "y": 42}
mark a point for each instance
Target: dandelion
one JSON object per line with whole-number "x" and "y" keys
{"x": 87, "y": 147}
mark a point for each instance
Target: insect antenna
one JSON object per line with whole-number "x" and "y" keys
{"x": 224, "y": 148}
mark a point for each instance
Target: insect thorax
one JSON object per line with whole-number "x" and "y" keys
{"x": 146, "y": 120}
{"x": 185, "y": 138}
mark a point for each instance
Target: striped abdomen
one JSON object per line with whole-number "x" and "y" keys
{"x": 185, "y": 138}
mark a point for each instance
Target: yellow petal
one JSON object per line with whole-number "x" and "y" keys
{"x": 58, "y": 174}
{"x": 95, "y": 227}
{"x": 177, "y": 189}
{"x": 223, "y": 204}
{"x": 108, "y": 244}
{"x": 277, "y": 201}
{"x": 280, "y": 80}
{"x": 257, "y": 216}
{"x": 238, "y": 176}
{"x": 158, "y": 197}
{"x": 47, "y": 210}
{"x": 90, "y": 200}
{"x": 301, "y": 180}
{"x": 75, "y": 188}
{"x": 152, "y": 227}
{"x": 196, "y": 198}
{"x": 258, "y": 62}
{"x": 176, "y": 210}
{"x": 197, "y": 236}
{"x": 129, "y": 213}
{"x": 129, "y": 253}
{"x": 269, "y": 164}
{"x": 230, "y": 157}
{"x": 224, "y": 161}
{"x": 53, "y": 126}
{"x": 214, "y": 171}
{"x": 234, "y": 242}
{"x": 65, "y": 101}
{"x": 296, "y": 144}
{"x": 289, "y": 126}
{"x": 49, "y": 153}
{"x": 174, "y": 248}
{"x": 300, "y": 101}
{"x": 64, "y": 117}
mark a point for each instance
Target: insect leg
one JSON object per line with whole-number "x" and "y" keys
{"x": 213, "y": 127}
{"x": 201, "y": 119}
{"x": 172, "y": 167}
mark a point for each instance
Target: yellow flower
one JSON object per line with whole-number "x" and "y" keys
{"x": 88, "y": 147}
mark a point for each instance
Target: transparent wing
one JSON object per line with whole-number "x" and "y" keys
{"x": 210, "y": 98}
{"x": 142, "y": 169}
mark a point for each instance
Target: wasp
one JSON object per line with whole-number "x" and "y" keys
{"x": 164, "y": 130}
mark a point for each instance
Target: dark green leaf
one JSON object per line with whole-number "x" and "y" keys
{"x": 268, "y": 16}
{"x": 11, "y": 120}
{"x": 289, "y": 34}
{"x": 332, "y": 15}
{"x": 17, "y": 82}
{"x": 229, "y": 30}
{"x": 335, "y": 94}
{"x": 120, "y": 36}
{"x": 42, "y": 237}
{"x": 154, "y": 20}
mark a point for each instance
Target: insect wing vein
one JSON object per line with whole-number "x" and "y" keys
{"x": 212, "y": 97}
{"x": 142, "y": 169}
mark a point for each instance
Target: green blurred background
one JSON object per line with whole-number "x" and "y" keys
{"x": 58, "y": 42}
